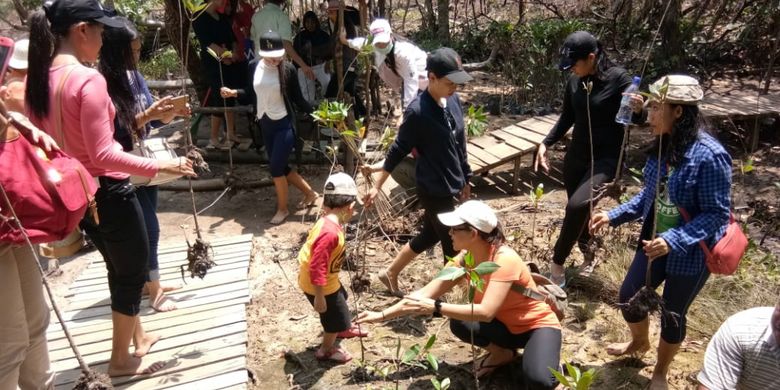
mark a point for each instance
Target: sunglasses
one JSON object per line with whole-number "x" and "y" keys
{"x": 464, "y": 227}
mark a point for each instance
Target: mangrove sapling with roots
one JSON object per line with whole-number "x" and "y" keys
{"x": 199, "y": 258}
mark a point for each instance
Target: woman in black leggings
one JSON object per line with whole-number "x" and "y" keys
{"x": 502, "y": 319}
{"x": 585, "y": 57}
{"x": 695, "y": 176}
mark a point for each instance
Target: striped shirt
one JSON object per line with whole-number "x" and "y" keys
{"x": 743, "y": 354}
{"x": 702, "y": 186}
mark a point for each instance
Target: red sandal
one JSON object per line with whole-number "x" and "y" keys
{"x": 353, "y": 331}
{"x": 336, "y": 354}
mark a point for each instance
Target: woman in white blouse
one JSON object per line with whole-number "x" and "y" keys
{"x": 275, "y": 89}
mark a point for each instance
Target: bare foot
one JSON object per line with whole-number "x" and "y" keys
{"x": 391, "y": 282}
{"x": 133, "y": 366}
{"x": 143, "y": 347}
{"x": 309, "y": 200}
{"x": 279, "y": 217}
{"x": 162, "y": 304}
{"x": 629, "y": 348}
{"x": 658, "y": 383}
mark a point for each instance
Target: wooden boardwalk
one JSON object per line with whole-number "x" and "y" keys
{"x": 203, "y": 342}
{"x": 510, "y": 144}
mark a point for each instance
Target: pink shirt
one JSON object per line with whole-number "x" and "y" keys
{"x": 88, "y": 125}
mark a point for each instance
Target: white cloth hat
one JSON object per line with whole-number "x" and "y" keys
{"x": 19, "y": 57}
{"x": 381, "y": 30}
{"x": 681, "y": 89}
{"x": 474, "y": 213}
{"x": 340, "y": 184}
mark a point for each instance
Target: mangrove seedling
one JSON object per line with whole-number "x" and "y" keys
{"x": 576, "y": 380}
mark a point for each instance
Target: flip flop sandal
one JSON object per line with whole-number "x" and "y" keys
{"x": 587, "y": 268}
{"x": 560, "y": 282}
{"x": 490, "y": 368}
{"x": 353, "y": 331}
{"x": 307, "y": 203}
{"x": 336, "y": 354}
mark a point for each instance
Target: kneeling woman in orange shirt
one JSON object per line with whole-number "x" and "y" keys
{"x": 502, "y": 319}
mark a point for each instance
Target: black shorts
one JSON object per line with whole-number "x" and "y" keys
{"x": 336, "y": 317}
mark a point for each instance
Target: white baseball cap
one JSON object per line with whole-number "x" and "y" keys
{"x": 340, "y": 184}
{"x": 474, "y": 213}
{"x": 381, "y": 30}
{"x": 19, "y": 57}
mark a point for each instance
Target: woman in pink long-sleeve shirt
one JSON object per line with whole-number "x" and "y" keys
{"x": 87, "y": 134}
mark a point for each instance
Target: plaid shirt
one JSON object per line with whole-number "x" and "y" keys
{"x": 702, "y": 186}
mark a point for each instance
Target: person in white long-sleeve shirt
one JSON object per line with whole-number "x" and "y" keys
{"x": 400, "y": 63}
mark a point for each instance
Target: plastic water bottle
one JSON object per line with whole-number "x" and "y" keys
{"x": 625, "y": 112}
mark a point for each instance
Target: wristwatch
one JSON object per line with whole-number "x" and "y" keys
{"x": 437, "y": 308}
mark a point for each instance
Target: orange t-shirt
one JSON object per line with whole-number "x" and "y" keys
{"x": 518, "y": 312}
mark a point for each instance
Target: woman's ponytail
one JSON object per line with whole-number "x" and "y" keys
{"x": 41, "y": 53}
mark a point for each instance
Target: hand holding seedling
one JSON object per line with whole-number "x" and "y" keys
{"x": 598, "y": 220}
{"x": 367, "y": 317}
{"x": 227, "y": 93}
{"x": 465, "y": 193}
{"x": 320, "y": 306}
{"x": 418, "y": 304}
{"x": 656, "y": 248}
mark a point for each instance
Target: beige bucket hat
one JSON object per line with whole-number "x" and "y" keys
{"x": 676, "y": 89}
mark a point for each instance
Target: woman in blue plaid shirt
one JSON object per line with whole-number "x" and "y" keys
{"x": 695, "y": 174}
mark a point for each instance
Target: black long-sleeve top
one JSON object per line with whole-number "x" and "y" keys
{"x": 439, "y": 136}
{"x": 604, "y": 104}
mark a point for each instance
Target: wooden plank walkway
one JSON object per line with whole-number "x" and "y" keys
{"x": 508, "y": 145}
{"x": 511, "y": 143}
{"x": 203, "y": 342}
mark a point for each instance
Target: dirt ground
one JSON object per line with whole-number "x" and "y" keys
{"x": 284, "y": 330}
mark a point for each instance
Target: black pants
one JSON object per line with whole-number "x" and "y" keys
{"x": 576, "y": 178}
{"x": 122, "y": 240}
{"x": 433, "y": 230}
{"x": 679, "y": 290}
{"x": 336, "y": 317}
{"x": 541, "y": 347}
{"x": 350, "y": 88}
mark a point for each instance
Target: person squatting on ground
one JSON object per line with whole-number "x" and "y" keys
{"x": 695, "y": 175}
{"x": 274, "y": 90}
{"x": 137, "y": 112}
{"x": 587, "y": 60}
{"x": 401, "y": 65}
{"x": 214, "y": 31}
{"x": 312, "y": 44}
{"x": 501, "y": 319}
{"x": 320, "y": 261}
{"x": 744, "y": 353}
{"x": 442, "y": 168}
{"x": 24, "y": 356}
{"x": 86, "y": 124}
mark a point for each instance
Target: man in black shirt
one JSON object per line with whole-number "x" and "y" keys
{"x": 433, "y": 124}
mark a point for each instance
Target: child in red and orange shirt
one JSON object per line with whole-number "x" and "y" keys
{"x": 320, "y": 261}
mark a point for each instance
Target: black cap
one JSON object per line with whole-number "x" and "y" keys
{"x": 64, "y": 13}
{"x": 578, "y": 45}
{"x": 271, "y": 45}
{"x": 445, "y": 62}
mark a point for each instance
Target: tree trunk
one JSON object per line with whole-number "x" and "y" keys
{"x": 177, "y": 26}
{"x": 773, "y": 57}
{"x": 429, "y": 17}
{"x": 381, "y": 4}
{"x": 520, "y": 11}
{"x": 21, "y": 11}
{"x": 443, "y": 31}
{"x": 671, "y": 38}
